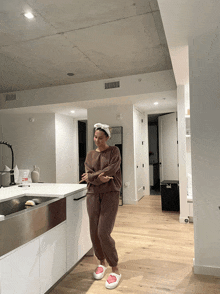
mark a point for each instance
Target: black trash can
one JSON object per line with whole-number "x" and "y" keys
{"x": 170, "y": 195}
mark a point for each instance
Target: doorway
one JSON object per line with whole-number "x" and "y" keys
{"x": 154, "y": 154}
{"x": 82, "y": 135}
{"x": 163, "y": 149}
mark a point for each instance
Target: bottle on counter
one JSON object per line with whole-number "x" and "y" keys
{"x": 35, "y": 174}
{"x": 24, "y": 177}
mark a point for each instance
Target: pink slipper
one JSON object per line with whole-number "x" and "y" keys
{"x": 100, "y": 272}
{"x": 112, "y": 281}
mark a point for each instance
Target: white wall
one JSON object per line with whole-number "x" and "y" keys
{"x": 188, "y": 141}
{"x": 50, "y": 142}
{"x": 205, "y": 142}
{"x": 67, "y": 162}
{"x": 184, "y": 210}
{"x": 130, "y": 85}
{"x": 141, "y": 152}
{"x": 33, "y": 143}
{"x": 108, "y": 115}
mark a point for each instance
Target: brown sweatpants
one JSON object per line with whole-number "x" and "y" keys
{"x": 102, "y": 210}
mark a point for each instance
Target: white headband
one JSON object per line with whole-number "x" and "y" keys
{"x": 103, "y": 127}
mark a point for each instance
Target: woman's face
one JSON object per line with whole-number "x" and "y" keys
{"x": 100, "y": 138}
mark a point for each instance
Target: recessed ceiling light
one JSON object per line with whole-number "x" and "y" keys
{"x": 72, "y": 111}
{"x": 29, "y": 15}
{"x": 70, "y": 74}
{"x": 155, "y": 103}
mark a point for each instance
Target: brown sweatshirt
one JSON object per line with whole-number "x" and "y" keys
{"x": 107, "y": 161}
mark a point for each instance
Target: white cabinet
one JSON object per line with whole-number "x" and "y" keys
{"x": 36, "y": 266}
{"x": 19, "y": 270}
{"x": 78, "y": 236}
{"x": 52, "y": 256}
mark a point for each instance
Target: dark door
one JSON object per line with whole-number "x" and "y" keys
{"x": 82, "y": 128}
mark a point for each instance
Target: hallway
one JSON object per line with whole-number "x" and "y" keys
{"x": 155, "y": 255}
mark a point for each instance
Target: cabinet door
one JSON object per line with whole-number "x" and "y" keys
{"x": 84, "y": 244}
{"x": 78, "y": 236}
{"x": 19, "y": 270}
{"x": 52, "y": 256}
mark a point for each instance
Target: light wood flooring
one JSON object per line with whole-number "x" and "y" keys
{"x": 155, "y": 256}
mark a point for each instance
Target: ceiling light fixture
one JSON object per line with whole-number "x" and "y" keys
{"x": 72, "y": 111}
{"x": 155, "y": 103}
{"x": 29, "y": 15}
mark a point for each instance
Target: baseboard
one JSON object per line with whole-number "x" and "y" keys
{"x": 206, "y": 270}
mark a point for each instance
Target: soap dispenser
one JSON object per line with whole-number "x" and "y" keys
{"x": 35, "y": 174}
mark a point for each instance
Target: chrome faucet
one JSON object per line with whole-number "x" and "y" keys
{"x": 12, "y": 179}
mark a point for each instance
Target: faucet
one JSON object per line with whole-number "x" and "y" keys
{"x": 12, "y": 179}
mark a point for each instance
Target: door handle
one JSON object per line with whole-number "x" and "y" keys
{"x": 77, "y": 199}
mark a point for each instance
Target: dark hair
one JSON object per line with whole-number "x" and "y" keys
{"x": 99, "y": 129}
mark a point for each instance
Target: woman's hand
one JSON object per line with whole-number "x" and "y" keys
{"x": 85, "y": 178}
{"x": 103, "y": 178}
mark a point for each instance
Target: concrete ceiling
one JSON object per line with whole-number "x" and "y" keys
{"x": 94, "y": 40}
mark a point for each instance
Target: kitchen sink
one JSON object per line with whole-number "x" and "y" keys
{"x": 21, "y": 224}
{"x": 18, "y": 204}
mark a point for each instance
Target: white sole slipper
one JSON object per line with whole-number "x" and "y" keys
{"x": 101, "y": 275}
{"x": 114, "y": 284}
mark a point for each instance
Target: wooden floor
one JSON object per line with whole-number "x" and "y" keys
{"x": 155, "y": 256}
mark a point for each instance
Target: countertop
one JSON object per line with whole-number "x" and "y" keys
{"x": 41, "y": 189}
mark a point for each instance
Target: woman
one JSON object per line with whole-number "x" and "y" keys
{"x": 103, "y": 177}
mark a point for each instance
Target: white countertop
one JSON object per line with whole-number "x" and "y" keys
{"x": 41, "y": 189}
